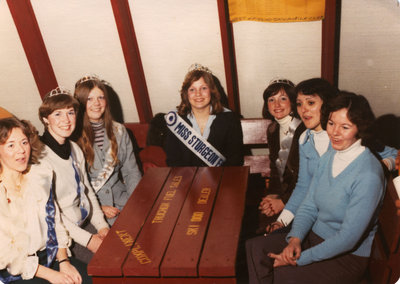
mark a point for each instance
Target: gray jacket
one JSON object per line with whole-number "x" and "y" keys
{"x": 104, "y": 176}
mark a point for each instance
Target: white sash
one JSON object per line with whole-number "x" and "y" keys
{"x": 108, "y": 166}
{"x": 195, "y": 143}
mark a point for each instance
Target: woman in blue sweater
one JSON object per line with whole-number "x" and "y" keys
{"x": 312, "y": 97}
{"x": 332, "y": 233}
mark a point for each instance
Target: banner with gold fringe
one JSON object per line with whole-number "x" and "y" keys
{"x": 278, "y": 11}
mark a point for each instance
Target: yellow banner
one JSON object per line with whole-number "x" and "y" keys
{"x": 276, "y": 10}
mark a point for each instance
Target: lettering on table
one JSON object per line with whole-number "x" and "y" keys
{"x": 125, "y": 238}
{"x": 197, "y": 216}
{"x": 168, "y": 196}
{"x": 140, "y": 255}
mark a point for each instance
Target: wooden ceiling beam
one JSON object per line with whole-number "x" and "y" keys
{"x": 133, "y": 61}
{"x": 228, "y": 49}
{"x": 331, "y": 41}
{"x": 33, "y": 44}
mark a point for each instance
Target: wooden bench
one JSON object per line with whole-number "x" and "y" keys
{"x": 384, "y": 264}
{"x": 181, "y": 225}
{"x": 254, "y": 137}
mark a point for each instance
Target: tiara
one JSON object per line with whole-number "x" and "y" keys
{"x": 58, "y": 91}
{"x": 281, "y": 81}
{"x": 199, "y": 67}
{"x": 91, "y": 77}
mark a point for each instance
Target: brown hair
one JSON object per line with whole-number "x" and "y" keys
{"x": 10, "y": 123}
{"x": 52, "y": 103}
{"x": 192, "y": 76}
{"x": 273, "y": 89}
{"x": 86, "y": 139}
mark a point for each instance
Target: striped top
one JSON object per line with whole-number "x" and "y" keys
{"x": 98, "y": 130}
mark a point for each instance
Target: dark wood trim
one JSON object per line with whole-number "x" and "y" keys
{"x": 133, "y": 61}
{"x": 33, "y": 44}
{"x": 331, "y": 41}
{"x": 228, "y": 49}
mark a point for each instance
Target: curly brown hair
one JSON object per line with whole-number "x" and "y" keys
{"x": 184, "y": 108}
{"x": 86, "y": 134}
{"x": 10, "y": 123}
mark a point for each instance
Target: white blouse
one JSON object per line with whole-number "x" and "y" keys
{"x": 23, "y": 229}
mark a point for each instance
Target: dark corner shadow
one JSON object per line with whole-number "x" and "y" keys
{"x": 115, "y": 104}
{"x": 387, "y": 129}
{"x": 117, "y": 114}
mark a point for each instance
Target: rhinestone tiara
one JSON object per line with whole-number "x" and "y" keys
{"x": 58, "y": 91}
{"x": 199, "y": 67}
{"x": 282, "y": 81}
{"x": 91, "y": 77}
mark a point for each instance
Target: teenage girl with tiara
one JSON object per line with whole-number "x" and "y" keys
{"x": 108, "y": 149}
{"x": 80, "y": 209}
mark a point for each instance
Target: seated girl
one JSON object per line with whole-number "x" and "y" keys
{"x": 74, "y": 195}
{"x": 33, "y": 240}
{"x": 203, "y": 133}
{"x": 331, "y": 236}
{"x": 110, "y": 160}
{"x": 283, "y": 136}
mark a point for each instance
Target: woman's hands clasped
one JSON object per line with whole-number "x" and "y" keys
{"x": 270, "y": 205}
{"x": 289, "y": 255}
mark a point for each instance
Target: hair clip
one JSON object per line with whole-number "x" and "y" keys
{"x": 58, "y": 91}
{"x": 281, "y": 81}
{"x": 199, "y": 67}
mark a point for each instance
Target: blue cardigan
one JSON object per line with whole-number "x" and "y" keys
{"x": 309, "y": 159}
{"x": 341, "y": 210}
{"x": 308, "y": 164}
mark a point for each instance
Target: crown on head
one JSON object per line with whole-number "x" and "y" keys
{"x": 281, "y": 81}
{"x": 58, "y": 91}
{"x": 86, "y": 78}
{"x": 199, "y": 67}
{"x": 91, "y": 77}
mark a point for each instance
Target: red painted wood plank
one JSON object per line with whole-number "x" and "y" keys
{"x": 133, "y": 61}
{"x": 228, "y": 49}
{"x": 220, "y": 249}
{"x": 184, "y": 249}
{"x": 33, "y": 44}
{"x": 113, "y": 251}
{"x": 149, "y": 248}
{"x": 330, "y": 41}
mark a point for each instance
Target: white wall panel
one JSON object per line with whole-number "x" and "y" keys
{"x": 370, "y": 52}
{"x": 81, "y": 38}
{"x": 18, "y": 91}
{"x": 173, "y": 34}
{"x": 268, "y": 50}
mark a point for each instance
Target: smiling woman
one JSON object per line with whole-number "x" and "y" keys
{"x": 331, "y": 236}
{"x": 206, "y": 121}
{"x": 74, "y": 194}
{"x": 108, "y": 150}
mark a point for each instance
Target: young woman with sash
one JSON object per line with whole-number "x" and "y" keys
{"x": 331, "y": 236}
{"x": 33, "y": 241}
{"x": 202, "y": 132}
{"x": 283, "y": 143}
{"x": 108, "y": 149}
{"x": 80, "y": 209}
